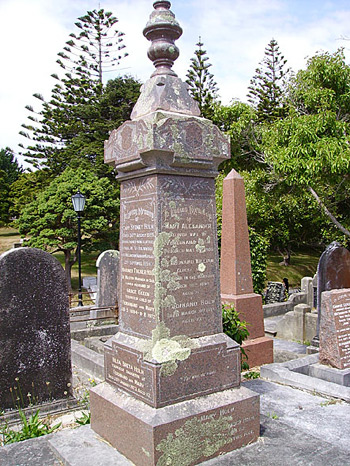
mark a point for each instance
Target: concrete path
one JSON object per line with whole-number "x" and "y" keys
{"x": 297, "y": 428}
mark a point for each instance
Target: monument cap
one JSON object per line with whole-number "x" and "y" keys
{"x": 162, "y": 30}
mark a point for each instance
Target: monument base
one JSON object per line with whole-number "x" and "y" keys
{"x": 258, "y": 348}
{"x": 259, "y": 351}
{"x": 185, "y": 433}
{"x": 249, "y": 307}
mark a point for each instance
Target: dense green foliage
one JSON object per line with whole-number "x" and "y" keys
{"x": 10, "y": 170}
{"x": 74, "y": 123}
{"x": 68, "y": 137}
{"x": 51, "y": 223}
{"x": 201, "y": 82}
{"x": 309, "y": 148}
{"x": 236, "y": 329}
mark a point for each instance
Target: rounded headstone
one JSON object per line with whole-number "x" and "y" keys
{"x": 35, "y": 357}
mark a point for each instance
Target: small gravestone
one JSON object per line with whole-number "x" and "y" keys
{"x": 107, "y": 278}
{"x": 35, "y": 358}
{"x": 275, "y": 293}
{"x": 335, "y": 329}
{"x": 333, "y": 273}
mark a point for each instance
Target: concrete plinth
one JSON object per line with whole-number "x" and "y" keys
{"x": 185, "y": 433}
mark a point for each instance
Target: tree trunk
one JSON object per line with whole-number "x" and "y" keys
{"x": 286, "y": 257}
{"x": 68, "y": 263}
{"x": 327, "y": 212}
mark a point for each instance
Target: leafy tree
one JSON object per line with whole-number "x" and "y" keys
{"x": 9, "y": 165}
{"x": 26, "y": 188}
{"x": 239, "y": 121}
{"x": 310, "y": 148}
{"x": 10, "y": 170}
{"x": 73, "y": 122}
{"x": 50, "y": 221}
{"x": 267, "y": 87}
{"x": 201, "y": 82}
{"x": 4, "y": 199}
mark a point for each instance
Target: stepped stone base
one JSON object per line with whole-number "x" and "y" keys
{"x": 213, "y": 365}
{"x": 185, "y": 433}
{"x": 259, "y": 351}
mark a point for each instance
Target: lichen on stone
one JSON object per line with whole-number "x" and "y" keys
{"x": 201, "y": 267}
{"x": 196, "y": 439}
{"x": 166, "y": 350}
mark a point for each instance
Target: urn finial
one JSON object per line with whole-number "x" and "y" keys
{"x": 162, "y": 30}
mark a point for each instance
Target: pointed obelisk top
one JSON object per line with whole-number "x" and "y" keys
{"x": 162, "y": 30}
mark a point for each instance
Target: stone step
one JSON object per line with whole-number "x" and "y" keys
{"x": 88, "y": 360}
{"x": 67, "y": 446}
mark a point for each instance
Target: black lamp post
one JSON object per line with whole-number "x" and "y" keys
{"x": 78, "y": 201}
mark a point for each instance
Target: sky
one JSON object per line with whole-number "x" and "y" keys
{"x": 234, "y": 32}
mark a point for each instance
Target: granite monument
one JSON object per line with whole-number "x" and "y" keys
{"x": 172, "y": 393}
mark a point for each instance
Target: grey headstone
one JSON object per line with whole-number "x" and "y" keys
{"x": 107, "y": 278}
{"x": 333, "y": 272}
{"x": 34, "y": 328}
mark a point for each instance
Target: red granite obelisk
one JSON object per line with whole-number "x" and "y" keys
{"x": 172, "y": 393}
{"x": 235, "y": 270}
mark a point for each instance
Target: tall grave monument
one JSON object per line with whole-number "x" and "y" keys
{"x": 235, "y": 271}
{"x": 172, "y": 393}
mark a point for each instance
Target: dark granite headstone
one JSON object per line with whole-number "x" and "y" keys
{"x": 35, "y": 358}
{"x": 335, "y": 329}
{"x": 333, "y": 273}
{"x": 107, "y": 278}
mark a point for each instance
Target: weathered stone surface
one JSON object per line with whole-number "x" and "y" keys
{"x": 169, "y": 260}
{"x": 34, "y": 328}
{"x": 168, "y": 143}
{"x": 213, "y": 365}
{"x": 186, "y": 433}
{"x": 275, "y": 293}
{"x": 335, "y": 329}
{"x": 107, "y": 278}
{"x": 166, "y": 93}
{"x": 235, "y": 270}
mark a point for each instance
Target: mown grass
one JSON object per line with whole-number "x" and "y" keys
{"x": 303, "y": 263}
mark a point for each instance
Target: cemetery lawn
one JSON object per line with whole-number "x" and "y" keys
{"x": 302, "y": 264}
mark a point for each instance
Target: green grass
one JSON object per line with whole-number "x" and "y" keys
{"x": 302, "y": 264}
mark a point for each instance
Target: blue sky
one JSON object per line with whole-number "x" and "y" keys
{"x": 234, "y": 32}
